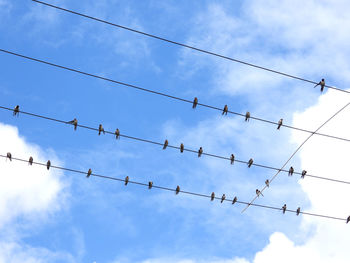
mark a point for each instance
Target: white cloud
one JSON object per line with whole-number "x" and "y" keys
{"x": 21, "y": 253}
{"x": 328, "y": 158}
{"x": 30, "y": 194}
{"x": 26, "y": 190}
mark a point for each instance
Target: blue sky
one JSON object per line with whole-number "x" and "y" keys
{"x": 74, "y": 219}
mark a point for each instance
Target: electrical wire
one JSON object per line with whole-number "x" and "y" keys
{"x": 172, "y": 146}
{"x": 167, "y": 95}
{"x": 171, "y": 189}
{"x": 294, "y": 153}
{"x": 185, "y": 46}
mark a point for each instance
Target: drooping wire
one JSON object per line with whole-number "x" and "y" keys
{"x": 167, "y": 95}
{"x": 185, "y": 45}
{"x": 170, "y": 189}
{"x": 295, "y": 152}
{"x": 172, "y": 146}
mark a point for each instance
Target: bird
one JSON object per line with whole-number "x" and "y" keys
{"x": 212, "y": 196}
{"x": 303, "y": 173}
{"x": 16, "y": 111}
{"x": 322, "y": 83}
{"x": 9, "y": 155}
{"x": 234, "y": 200}
{"x": 200, "y": 151}
{"x": 250, "y": 162}
{"x": 74, "y": 122}
{"x": 165, "y": 144}
{"x": 30, "y": 162}
{"x": 182, "y": 147}
{"x": 291, "y": 171}
{"x": 258, "y": 192}
{"x": 126, "y": 180}
{"x": 48, "y": 164}
{"x": 150, "y": 184}
{"x": 177, "y": 191}
{"x": 232, "y": 158}
{"x": 298, "y": 211}
{"x": 195, "y": 102}
{"x": 267, "y": 182}
{"x": 280, "y": 122}
{"x": 117, "y": 133}
{"x": 247, "y": 116}
{"x": 100, "y": 129}
{"x": 225, "y": 110}
{"x": 348, "y": 219}
{"x": 223, "y": 198}
{"x": 284, "y": 208}
{"x": 89, "y": 173}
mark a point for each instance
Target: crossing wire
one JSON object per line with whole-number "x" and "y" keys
{"x": 185, "y": 45}
{"x": 166, "y": 95}
{"x": 173, "y": 190}
{"x": 172, "y": 146}
{"x": 295, "y": 152}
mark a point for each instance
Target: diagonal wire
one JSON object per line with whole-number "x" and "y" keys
{"x": 294, "y": 153}
{"x": 166, "y": 95}
{"x": 171, "y": 189}
{"x": 173, "y": 147}
{"x": 186, "y": 46}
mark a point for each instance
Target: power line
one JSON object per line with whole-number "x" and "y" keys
{"x": 170, "y": 189}
{"x": 184, "y": 45}
{"x": 172, "y": 146}
{"x": 294, "y": 153}
{"x": 167, "y": 95}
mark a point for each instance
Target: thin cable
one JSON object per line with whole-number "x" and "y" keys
{"x": 186, "y": 46}
{"x": 172, "y": 146}
{"x": 171, "y": 189}
{"x": 167, "y": 95}
{"x": 301, "y": 145}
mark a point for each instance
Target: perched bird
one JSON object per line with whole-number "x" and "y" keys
{"x": 9, "y": 155}
{"x": 247, "y": 116}
{"x": 16, "y": 111}
{"x": 234, "y": 200}
{"x": 100, "y": 129}
{"x": 291, "y": 171}
{"x": 250, "y": 162}
{"x": 117, "y": 133}
{"x": 195, "y": 102}
{"x": 322, "y": 83}
{"x": 126, "y": 180}
{"x": 223, "y": 198}
{"x": 74, "y": 122}
{"x": 303, "y": 173}
{"x": 165, "y": 144}
{"x": 280, "y": 122}
{"x": 212, "y": 196}
{"x": 89, "y": 173}
{"x": 348, "y": 219}
{"x": 232, "y": 158}
{"x": 267, "y": 182}
{"x": 225, "y": 110}
{"x": 200, "y": 151}
{"x": 177, "y": 191}
{"x": 48, "y": 164}
{"x": 258, "y": 192}
{"x": 298, "y": 211}
{"x": 150, "y": 184}
{"x": 182, "y": 147}
{"x": 30, "y": 162}
{"x": 284, "y": 208}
